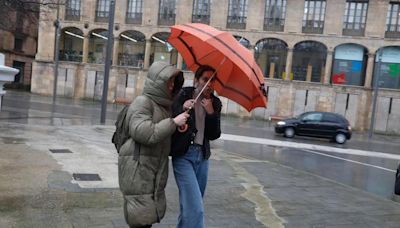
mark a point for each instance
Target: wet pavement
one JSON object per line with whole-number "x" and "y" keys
{"x": 263, "y": 181}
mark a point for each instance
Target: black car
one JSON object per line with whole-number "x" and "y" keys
{"x": 316, "y": 124}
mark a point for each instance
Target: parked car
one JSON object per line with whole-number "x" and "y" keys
{"x": 316, "y": 124}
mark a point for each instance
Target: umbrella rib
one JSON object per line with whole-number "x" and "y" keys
{"x": 223, "y": 43}
{"x": 188, "y": 48}
{"x": 236, "y": 91}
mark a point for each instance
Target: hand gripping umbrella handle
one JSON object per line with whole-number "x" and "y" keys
{"x": 184, "y": 127}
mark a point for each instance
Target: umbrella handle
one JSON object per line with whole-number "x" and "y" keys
{"x": 183, "y": 128}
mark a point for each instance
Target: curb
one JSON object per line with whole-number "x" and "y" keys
{"x": 396, "y": 198}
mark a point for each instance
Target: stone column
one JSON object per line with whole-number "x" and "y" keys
{"x": 252, "y": 50}
{"x": 271, "y": 70}
{"x": 115, "y": 51}
{"x": 147, "y": 54}
{"x": 85, "y": 51}
{"x": 328, "y": 67}
{"x": 288, "y": 68}
{"x": 309, "y": 73}
{"x": 370, "y": 70}
{"x": 179, "y": 62}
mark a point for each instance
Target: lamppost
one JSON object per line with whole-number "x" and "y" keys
{"x": 57, "y": 24}
{"x": 375, "y": 89}
{"x": 108, "y": 62}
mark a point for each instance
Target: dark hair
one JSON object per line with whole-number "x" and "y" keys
{"x": 178, "y": 82}
{"x": 203, "y": 69}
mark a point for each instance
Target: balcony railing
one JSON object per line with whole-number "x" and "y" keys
{"x": 133, "y": 18}
{"x": 166, "y": 19}
{"x": 273, "y": 24}
{"x": 311, "y": 26}
{"x": 353, "y": 32}
{"x": 235, "y": 22}
{"x": 132, "y": 60}
{"x": 70, "y": 55}
{"x": 205, "y": 19}
{"x": 101, "y": 16}
{"x": 392, "y": 34}
{"x": 72, "y": 15}
{"x": 312, "y": 30}
{"x": 353, "y": 29}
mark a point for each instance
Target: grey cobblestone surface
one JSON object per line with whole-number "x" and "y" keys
{"x": 37, "y": 190}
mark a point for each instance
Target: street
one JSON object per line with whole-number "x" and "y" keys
{"x": 257, "y": 178}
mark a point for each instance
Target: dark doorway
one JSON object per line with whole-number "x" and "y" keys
{"x": 19, "y": 78}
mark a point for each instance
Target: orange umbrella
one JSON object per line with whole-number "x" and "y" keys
{"x": 238, "y": 76}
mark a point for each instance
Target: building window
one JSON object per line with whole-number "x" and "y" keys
{"x": 18, "y": 44}
{"x": 131, "y": 49}
{"x": 237, "y": 14}
{"x": 134, "y": 12}
{"x": 243, "y": 41}
{"x": 71, "y": 45}
{"x": 102, "y": 10}
{"x": 314, "y": 15}
{"x": 309, "y": 58}
{"x": 355, "y": 17}
{"x": 274, "y": 18}
{"x": 73, "y": 10}
{"x": 166, "y": 14}
{"x": 393, "y": 21}
{"x": 349, "y": 65}
{"x": 97, "y": 46}
{"x": 389, "y": 71}
{"x": 161, "y": 50}
{"x": 270, "y": 55}
{"x": 201, "y": 11}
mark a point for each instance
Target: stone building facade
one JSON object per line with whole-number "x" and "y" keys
{"x": 18, "y": 39}
{"x": 321, "y": 55}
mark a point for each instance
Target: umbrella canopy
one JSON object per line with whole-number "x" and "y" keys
{"x": 238, "y": 78}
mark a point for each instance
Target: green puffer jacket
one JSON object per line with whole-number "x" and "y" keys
{"x": 143, "y": 177}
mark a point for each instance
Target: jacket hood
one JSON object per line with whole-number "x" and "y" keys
{"x": 156, "y": 83}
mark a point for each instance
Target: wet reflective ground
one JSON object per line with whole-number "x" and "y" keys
{"x": 23, "y": 107}
{"x": 372, "y": 174}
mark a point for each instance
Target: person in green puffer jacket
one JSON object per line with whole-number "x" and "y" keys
{"x": 143, "y": 158}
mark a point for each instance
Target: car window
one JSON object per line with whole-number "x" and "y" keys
{"x": 312, "y": 117}
{"x": 330, "y": 118}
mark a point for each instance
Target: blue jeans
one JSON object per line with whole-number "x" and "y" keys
{"x": 191, "y": 173}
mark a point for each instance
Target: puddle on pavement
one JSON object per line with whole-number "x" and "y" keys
{"x": 13, "y": 140}
{"x": 264, "y": 210}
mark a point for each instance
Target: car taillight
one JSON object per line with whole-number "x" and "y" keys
{"x": 349, "y": 128}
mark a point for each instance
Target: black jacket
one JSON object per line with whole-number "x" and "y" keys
{"x": 212, "y": 127}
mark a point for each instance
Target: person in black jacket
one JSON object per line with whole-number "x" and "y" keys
{"x": 190, "y": 150}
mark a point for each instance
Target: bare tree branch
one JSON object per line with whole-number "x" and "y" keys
{"x": 11, "y": 10}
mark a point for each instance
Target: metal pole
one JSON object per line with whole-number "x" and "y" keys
{"x": 375, "y": 89}
{"x": 108, "y": 62}
{"x": 56, "y": 52}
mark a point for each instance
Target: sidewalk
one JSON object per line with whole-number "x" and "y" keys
{"x": 37, "y": 188}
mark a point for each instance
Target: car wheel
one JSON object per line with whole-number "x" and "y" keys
{"x": 340, "y": 138}
{"x": 289, "y": 132}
